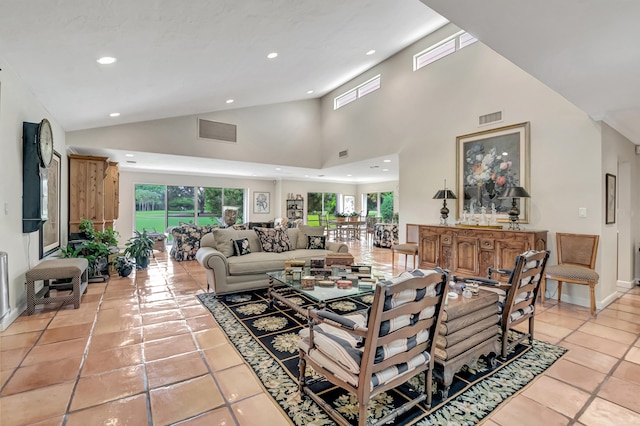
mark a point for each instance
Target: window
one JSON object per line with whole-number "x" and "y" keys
{"x": 380, "y": 204}
{"x": 443, "y": 48}
{"x": 159, "y": 207}
{"x": 319, "y": 205}
{"x": 357, "y": 92}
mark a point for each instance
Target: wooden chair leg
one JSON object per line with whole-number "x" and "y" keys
{"x": 543, "y": 289}
{"x": 405, "y": 260}
{"x": 393, "y": 259}
{"x": 593, "y": 299}
{"x": 559, "y": 290}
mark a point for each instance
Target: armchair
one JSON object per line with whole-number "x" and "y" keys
{"x": 517, "y": 297}
{"x": 369, "y": 356}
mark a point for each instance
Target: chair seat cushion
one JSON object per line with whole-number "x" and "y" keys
{"x": 572, "y": 272}
{"x": 405, "y": 248}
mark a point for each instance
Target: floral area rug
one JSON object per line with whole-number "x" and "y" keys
{"x": 267, "y": 338}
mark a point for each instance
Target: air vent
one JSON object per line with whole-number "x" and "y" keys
{"x": 343, "y": 154}
{"x": 490, "y": 118}
{"x": 213, "y": 130}
{"x": 131, "y": 162}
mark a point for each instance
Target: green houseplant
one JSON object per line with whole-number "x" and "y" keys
{"x": 140, "y": 248}
{"x": 96, "y": 247}
{"x": 123, "y": 265}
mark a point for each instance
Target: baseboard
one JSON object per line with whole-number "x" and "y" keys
{"x": 626, "y": 284}
{"x": 13, "y": 315}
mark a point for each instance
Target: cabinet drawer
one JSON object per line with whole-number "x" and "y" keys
{"x": 487, "y": 244}
{"x": 447, "y": 239}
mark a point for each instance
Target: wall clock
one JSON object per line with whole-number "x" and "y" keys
{"x": 37, "y": 150}
{"x": 44, "y": 142}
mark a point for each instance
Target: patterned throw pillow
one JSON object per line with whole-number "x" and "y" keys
{"x": 316, "y": 242}
{"x": 274, "y": 240}
{"x": 241, "y": 247}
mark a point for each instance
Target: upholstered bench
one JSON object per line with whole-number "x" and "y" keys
{"x": 76, "y": 269}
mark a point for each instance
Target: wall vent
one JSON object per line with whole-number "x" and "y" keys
{"x": 343, "y": 154}
{"x": 490, "y": 118}
{"x": 214, "y": 130}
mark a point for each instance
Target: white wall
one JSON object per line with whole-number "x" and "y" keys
{"x": 17, "y": 104}
{"x": 620, "y": 238}
{"x": 286, "y": 134}
{"x": 421, "y": 113}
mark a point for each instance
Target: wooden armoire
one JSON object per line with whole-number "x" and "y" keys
{"x": 93, "y": 191}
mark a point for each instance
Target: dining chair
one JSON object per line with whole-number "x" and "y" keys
{"x": 576, "y": 263}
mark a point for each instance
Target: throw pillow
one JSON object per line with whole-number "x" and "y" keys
{"x": 223, "y": 240}
{"x": 274, "y": 240}
{"x": 306, "y": 230}
{"x": 316, "y": 242}
{"x": 241, "y": 247}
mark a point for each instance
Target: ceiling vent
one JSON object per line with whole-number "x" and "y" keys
{"x": 343, "y": 154}
{"x": 214, "y": 130}
{"x": 490, "y": 118}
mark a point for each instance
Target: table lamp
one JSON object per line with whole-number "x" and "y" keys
{"x": 444, "y": 194}
{"x": 514, "y": 192}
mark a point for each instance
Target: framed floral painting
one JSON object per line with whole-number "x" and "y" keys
{"x": 487, "y": 163}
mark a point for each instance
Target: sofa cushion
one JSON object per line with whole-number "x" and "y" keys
{"x": 223, "y": 240}
{"x": 274, "y": 240}
{"x": 254, "y": 241}
{"x": 256, "y": 263}
{"x": 315, "y": 242}
{"x": 304, "y": 231}
{"x": 241, "y": 247}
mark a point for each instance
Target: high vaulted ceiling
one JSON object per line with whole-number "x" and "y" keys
{"x": 187, "y": 57}
{"x": 586, "y": 50}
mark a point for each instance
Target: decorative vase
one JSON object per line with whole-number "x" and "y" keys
{"x": 142, "y": 262}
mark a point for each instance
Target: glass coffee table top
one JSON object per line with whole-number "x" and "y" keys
{"x": 319, "y": 294}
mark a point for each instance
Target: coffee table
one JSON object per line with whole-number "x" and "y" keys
{"x": 279, "y": 283}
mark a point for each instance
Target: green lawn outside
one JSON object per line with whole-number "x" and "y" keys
{"x": 155, "y": 219}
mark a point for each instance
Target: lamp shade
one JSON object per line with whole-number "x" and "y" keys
{"x": 445, "y": 194}
{"x": 515, "y": 192}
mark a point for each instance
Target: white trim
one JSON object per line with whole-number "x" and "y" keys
{"x": 626, "y": 284}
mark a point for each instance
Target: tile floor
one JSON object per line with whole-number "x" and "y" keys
{"x": 142, "y": 350}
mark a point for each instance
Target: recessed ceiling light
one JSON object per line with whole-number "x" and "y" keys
{"x": 385, "y": 170}
{"x": 106, "y": 60}
{"x": 129, "y": 155}
{"x": 309, "y": 92}
{"x": 349, "y": 175}
{"x": 114, "y": 114}
{"x": 386, "y": 161}
{"x": 278, "y": 168}
{"x": 272, "y": 55}
{"x": 371, "y": 52}
{"x": 306, "y": 175}
{"x": 229, "y": 101}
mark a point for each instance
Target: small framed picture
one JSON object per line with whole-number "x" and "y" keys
{"x": 261, "y": 202}
{"x": 610, "y": 185}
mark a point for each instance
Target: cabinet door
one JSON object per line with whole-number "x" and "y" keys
{"x": 466, "y": 258}
{"x": 428, "y": 250}
{"x": 508, "y": 250}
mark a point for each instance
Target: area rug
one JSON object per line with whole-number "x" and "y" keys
{"x": 267, "y": 338}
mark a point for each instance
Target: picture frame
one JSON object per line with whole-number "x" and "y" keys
{"x": 261, "y": 202}
{"x": 50, "y": 231}
{"x": 488, "y": 162}
{"x": 610, "y": 197}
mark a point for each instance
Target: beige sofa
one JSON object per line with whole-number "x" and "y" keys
{"x": 227, "y": 273}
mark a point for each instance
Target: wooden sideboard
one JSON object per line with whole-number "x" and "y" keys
{"x": 469, "y": 251}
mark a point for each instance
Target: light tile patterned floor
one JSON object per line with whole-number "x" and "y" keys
{"x": 142, "y": 350}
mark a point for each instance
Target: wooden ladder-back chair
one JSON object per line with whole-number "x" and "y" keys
{"x": 367, "y": 356}
{"x": 517, "y": 298}
{"x": 576, "y": 263}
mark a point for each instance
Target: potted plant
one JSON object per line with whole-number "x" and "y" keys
{"x": 354, "y": 216}
{"x": 140, "y": 248}
{"x": 341, "y": 217}
{"x": 123, "y": 265}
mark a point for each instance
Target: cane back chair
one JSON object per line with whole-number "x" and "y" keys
{"x": 367, "y": 356}
{"x": 516, "y": 298}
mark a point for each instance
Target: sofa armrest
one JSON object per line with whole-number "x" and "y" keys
{"x": 211, "y": 258}
{"x": 337, "y": 247}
